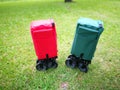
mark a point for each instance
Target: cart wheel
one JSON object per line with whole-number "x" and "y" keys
{"x": 54, "y": 65}
{"x": 70, "y": 63}
{"x": 50, "y": 64}
{"x": 70, "y": 56}
{"x": 83, "y": 68}
{"x": 41, "y": 67}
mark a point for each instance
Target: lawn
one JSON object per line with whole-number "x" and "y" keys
{"x": 17, "y": 55}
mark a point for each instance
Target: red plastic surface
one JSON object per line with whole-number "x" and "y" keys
{"x": 44, "y": 38}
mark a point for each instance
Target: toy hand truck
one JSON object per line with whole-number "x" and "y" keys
{"x": 86, "y": 38}
{"x": 45, "y": 43}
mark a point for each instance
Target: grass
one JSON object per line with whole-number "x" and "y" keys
{"x": 17, "y": 56}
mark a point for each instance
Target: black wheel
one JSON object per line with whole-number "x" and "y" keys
{"x": 70, "y": 63}
{"x": 71, "y": 56}
{"x": 83, "y": 68}
{"x": 54, "y": 65}
{"x": 41, "y": 66}
{"x": 50, "y": 64}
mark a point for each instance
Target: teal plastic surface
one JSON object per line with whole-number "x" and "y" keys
{"x": 86, "y": 38}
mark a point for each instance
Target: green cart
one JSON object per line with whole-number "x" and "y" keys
{"x": 86, "y": 38}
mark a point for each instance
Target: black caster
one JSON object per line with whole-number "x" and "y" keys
{"x": 55, "y": 65}
{"x": 71, "y": 61}
{"x": 83, "y": 68}
{"x": 52, "y": 63}
{"x": 41, "y": 66}
{"x": 83, "y": 65}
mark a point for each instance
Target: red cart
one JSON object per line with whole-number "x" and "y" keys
{"x": 45, "y": 43}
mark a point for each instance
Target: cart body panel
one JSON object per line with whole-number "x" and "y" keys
{"x": 44, "y": 38}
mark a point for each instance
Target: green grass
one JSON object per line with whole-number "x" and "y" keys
{"x": 17, "y": 56}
